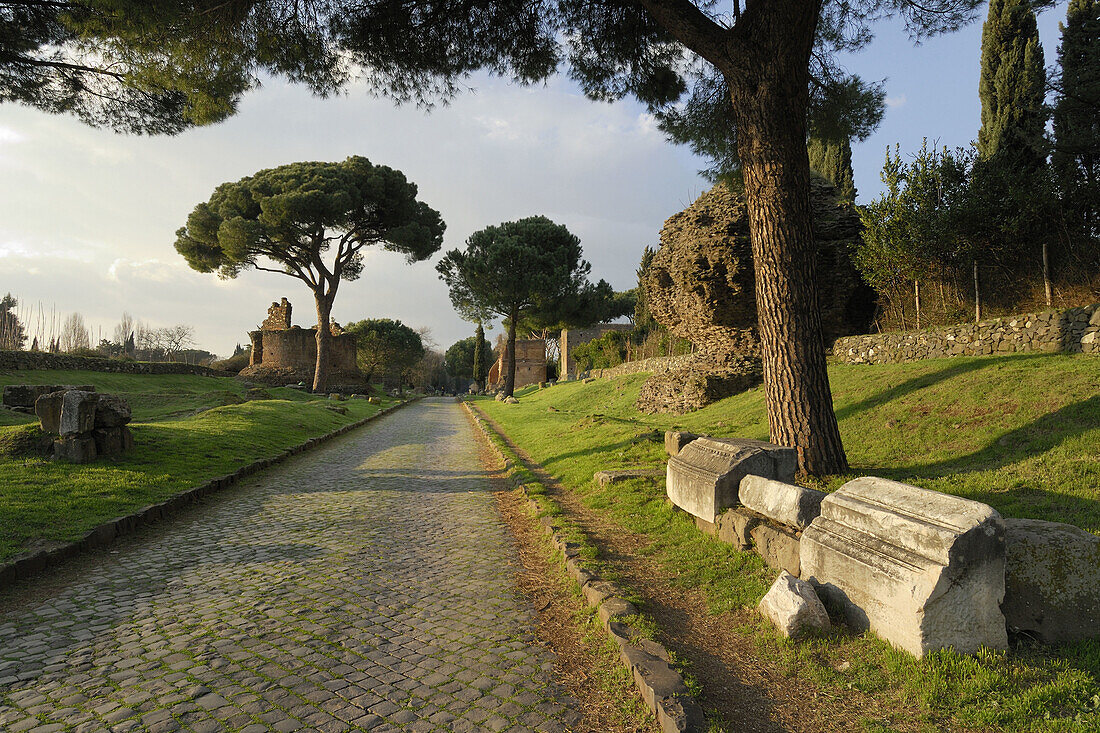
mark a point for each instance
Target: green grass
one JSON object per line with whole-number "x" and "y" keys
{"x": 187, "y": 429}
{"x": 1021, "y": 433}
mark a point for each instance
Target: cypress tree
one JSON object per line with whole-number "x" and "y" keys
{"x": 1011, "y": 179}
{"x": 1076, "y": 155}
{"x": 479, "y": 357}
{"x": 1012, "y": 87}
{"x": 832, "y": 160}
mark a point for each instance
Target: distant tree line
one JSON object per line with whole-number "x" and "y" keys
{"x": 131, "y": 339}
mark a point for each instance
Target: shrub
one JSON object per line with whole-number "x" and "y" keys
{"x": 233, "y": 364}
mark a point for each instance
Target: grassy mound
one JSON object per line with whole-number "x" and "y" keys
{"x": 1020, "y": 433}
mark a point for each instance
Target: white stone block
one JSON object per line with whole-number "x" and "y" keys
{"x": 923, "y": 570}
{"x": 795, "y": 506}
{"x": 704, "y": 477}
{"x": 793, "y": 606}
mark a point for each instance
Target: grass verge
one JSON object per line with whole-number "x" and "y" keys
{"x": 1020, "y": 433}
{"x": 187, "y": 430}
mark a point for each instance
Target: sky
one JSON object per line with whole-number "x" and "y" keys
{"x": 88, "y": 217}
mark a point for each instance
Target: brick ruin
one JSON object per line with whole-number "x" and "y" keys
{"x": 283, "y": 353}
{"x": 530, "y": 364}
{"x": 571, "y": 338}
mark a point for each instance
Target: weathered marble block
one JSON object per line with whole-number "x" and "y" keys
{"x": 923, "y": 570}
{"x": 793, "y": 606}
{"x": 1052, "y": 581}
{"x": 675, "y": 440}
{"x": 704, "y": 477}
{"x": 77, "y": 412}
{"x": 785, "y": 503}
{"x": 112, "y": 411}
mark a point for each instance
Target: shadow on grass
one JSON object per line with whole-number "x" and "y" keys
{"x": 1039, "y": 436}
{"x": 927, "y": 380}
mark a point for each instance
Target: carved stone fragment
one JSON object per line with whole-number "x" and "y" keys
{"x": 704, "y": 478}
{"x": 785, "y": 503}
{"x": 923, "y": 570}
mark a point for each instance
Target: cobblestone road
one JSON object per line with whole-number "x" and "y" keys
{"x": 364, "y": 585}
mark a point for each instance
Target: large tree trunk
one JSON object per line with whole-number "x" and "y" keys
{"x": 510, "y": 363}
{"x": 769, "y": 89}
{"x": 324, "y": 339}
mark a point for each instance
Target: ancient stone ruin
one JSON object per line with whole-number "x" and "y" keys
{"x": 571, "y": 338}
{"x": 922, "y": 569}
{"x": 283, "y": 353}
{"x": 88, "y": 425}
{"x": 701, "y": 286}
{"x": 530, "y": 364}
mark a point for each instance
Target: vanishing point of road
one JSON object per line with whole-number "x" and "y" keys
{"x": 365, "y": 585}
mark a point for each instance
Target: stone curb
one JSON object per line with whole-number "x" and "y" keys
{"x": 662, "y": 687}
{"x": 23, "y": 567}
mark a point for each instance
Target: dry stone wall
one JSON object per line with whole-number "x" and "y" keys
{"x": 17, "y": 360}
{"x": 654, "y": 365}
{"x": 1070, "y": 330}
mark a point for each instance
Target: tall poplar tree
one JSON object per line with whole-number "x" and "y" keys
{"x": 832, "y": 160}
{"x": 1076, "y": 155}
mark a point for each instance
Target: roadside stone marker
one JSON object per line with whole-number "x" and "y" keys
{"x": 923, "y": 570}
{"x": 703, "y": 479}
{"x": 88, "y": 425}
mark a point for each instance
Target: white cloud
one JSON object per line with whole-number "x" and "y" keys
{"x": 152, "y": 270}
{"x": 9, "y": 136}
{"x": 502, "y": 153}
{"x": 16, "y": 250}
{"x": 895, "y": 102}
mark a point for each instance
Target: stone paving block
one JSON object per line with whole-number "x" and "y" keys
{"x": 315, "y": 596}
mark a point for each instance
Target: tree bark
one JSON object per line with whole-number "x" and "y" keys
{"x": 977, "y": 294}
{"x": 510, "y": 363}
{"x": 769, "y": 88}
{"x": 324, "y": 339}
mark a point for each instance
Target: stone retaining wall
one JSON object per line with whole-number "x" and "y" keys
{"x": 655, "y": 365}
{"x": 11, "y": 360}
{"x": 1070, "y": 330}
